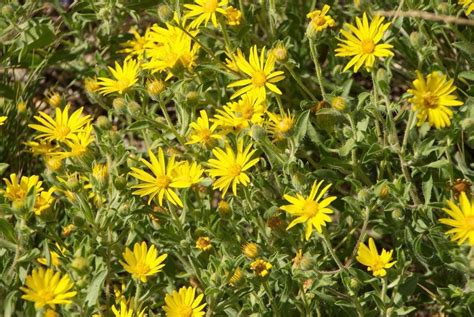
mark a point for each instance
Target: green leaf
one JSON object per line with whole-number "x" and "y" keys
{"x": 466, "y": 47}
{"x": 95, "y": 288}
{"x": 438, "y": 164}
{"x": 347, "y": 147}
{"x": 6, "y": 91}
{"x": 408, "y": 287}
{"x": 301, "y": 126}
{"x": 7, "y": 230}
{"x": 427, "y": 187}
{"x": 468, "y": 74}
{"x": 3, "y": 167}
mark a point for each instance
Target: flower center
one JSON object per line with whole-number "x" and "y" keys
{"x": 310, "y": 209}
{"x": 46, "y": 295}
{"x": 141, "y": 269}
{"x": 429, "y": 100}
{"x": 235, "y": 170}
{"x": 377, "y": 265}
{"x": 285, "y": 125}
{"x": 210, "y": 6}
{"x": 246, "y": 111}
{"x": 368, "y": 46}
{"x": 319, "y": 21}
{"x": 62, "y": 131}
{"x": 469, "y": 222}
{"x": 259, "y": 79}
{"x": 123, "y": 85}
{"x": 204, "y": 134}
{"x": 163, "y": 181}
{"x": 184, "y": 311}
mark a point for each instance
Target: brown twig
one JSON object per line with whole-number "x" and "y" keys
{"x": 449, "y": 19}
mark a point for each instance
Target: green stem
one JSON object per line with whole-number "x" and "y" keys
{"x": 137, "y": 296}
{"x": 171, "y": 125}
{"x": 411, "y": 117}
{"x": 375, "y": 102}
{"x": 272, "y": 299}
{"x": 300, "y": 83}
{"x": 382, "y": 297}
{"x": 227, "y": 42}
{"x": 331, "y": 251}
{"x": 314, "y": 54}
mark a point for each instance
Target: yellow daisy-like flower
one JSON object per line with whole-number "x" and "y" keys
{"x": 184, "y": 303}
{"x": 203, "y": 243}
{"x": 170, "y": 50}
{"x": 236, "y": 277}
{"x": 77, "y": 144}
{"x": 432, "y": 98}
{"x": 161, "y": 183}
{"x": 228, "y": 168}
{"x": 233, "y": 16}
{"x": 46, "y": 287}
{"x": 319, "y": 20}
{"x": 261, "y": 267}
{"x": 2, "y": 120}
{"x": 17, "y": 190}
{"x": 136, "y": 46}
{"x": 54, "y": 99}
{"x": 91, "y": 85}
{"x": 205, "y": 10}
{"x": 462, "y": 219}
{"x": 239, "y": 115}
{"x": 362, "y": 42}
{"x": 126, "y": 311}
{"x": 43, "y": 201}
{"x": 261, "y": 74}
{"x": 310, "y": 210}
{"x": 62, "y": 127}
{"x": 468, "y": 5}
{"x": 124, "y": 78}
{"x": 280, "y": 125}
{"x": 370, "y": 257}
{"x": 143, "y": 262}
{"x": 186, "y": 174}
{"x": 250, "y": 250}
{"x": 202, "y": 132}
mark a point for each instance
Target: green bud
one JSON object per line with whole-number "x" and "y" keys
{"x": 257, "y": 132}
{"x": 119, "y": 105}
{"x": 397, "y": 214}
{"x": 79, "y": 263}
{"x": 7, "y": 10}
{"x": 120, "y": 182}
{"x": 133, "y": 108}
{"x": 103, "y": 122}
{"x": 165, "y": 13}
{"x": 192, "y": 97}
{"x": 417, "y": 40}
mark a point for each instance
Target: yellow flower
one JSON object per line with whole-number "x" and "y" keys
{"x": 46, "y": 287}
{"x": 261, "y": 267}
{"x": 250, "y": 250}
{"x": 100, "y": 172}
{"x": 161, "y": 183}
{"x": 261, "y": 74}
{"x": 16, "y": 191}
{"x": 39, "y": 148}
{"x": 462, "y": 219}
{"x": 124, "y": 78}
{"x": 236, "y": 277}
{"x": 310, "y": 210}
{"x": 230, "y": 60}
{"x": 50, "y": 313}
{"x": 201, "y": 132}
{"x": 126, "y": 310}
{"x": 54, "y": 99}
{"x": 186, "y": 174}
{"x": 2, "y": 120}
{"x": 468, "y": 5}
{"x": 77, "y": 144}
{"x": 91, "y": 85}
{"x": 205, "y": 10}
{"x": 135, "y": 47}
{"x": 362, "y": 43}
{"x": 184, "y": 303}
{"x": 53, "y": 163}
{"x": 203, "y": 243}
{"x": 155, "y": 87}
{"x": 170, "y": 50}
{"x": 319, "y": 20}
{"x": 67, "y": 230}
{"x": 142, "y": 262}
{"x": 370, "y": 257}
{"x": 43, "y": 201}
{"x": 432, "y": 98}
{"x": 63, "y": 126}
{"x": 228, "y": 168}
{"x": 280, "y": 125}
{"x": 239, "y": 115}
{"x": 233, "y": 16}
{"x": 54, "y": 257}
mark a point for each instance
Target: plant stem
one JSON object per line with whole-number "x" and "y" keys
{"x": 137, "y": 295}
{"x": 314, "y": 54}
{"x": 300, "y": 83}
{"x": 331, "y": 251}
{"x": 382, "y": 296}
{"x": 171, "y": 125}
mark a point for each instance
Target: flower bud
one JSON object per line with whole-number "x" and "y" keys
{"x": 384, "y": 192}
{"x": 133, "y": 108}
{"x": 155, "y": 87}
{"x": 280, "y": 52}
{"x": 103, "y": 122}
{"x": 257, "y": 132}
{"x": 192, "y": 97}
{"x": 79, "y": 263}
{"x": 417, "y": 39}
{"x": 338, "y": 103}
{"x": 165, "y": 13}
{"x": 119, "y": 104}
{"x": 7, "y": 10}
{"x": 21, "y": 106}
{"x": 120, "y": 182}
